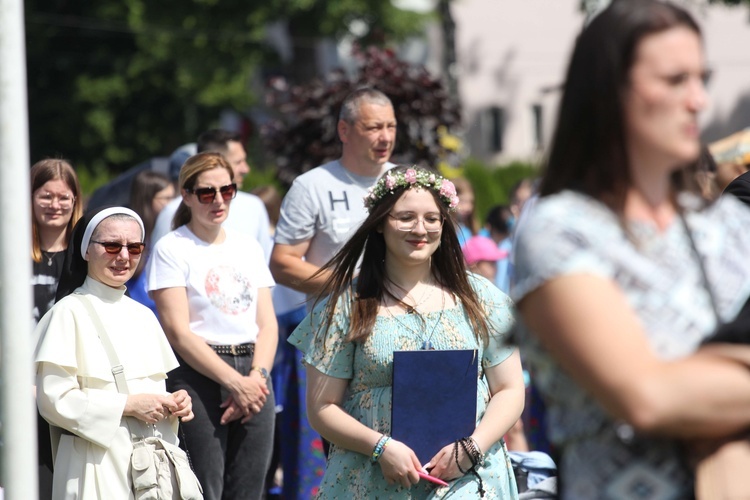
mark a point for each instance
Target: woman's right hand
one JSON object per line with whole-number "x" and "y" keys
{"x": 399, "y": 464}
{"x": 250, "y": 393}
{"x": 149, "y": 408}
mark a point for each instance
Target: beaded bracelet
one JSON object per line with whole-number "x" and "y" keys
{"x": 379, "y": 448}
{"x": 472, "y": 450}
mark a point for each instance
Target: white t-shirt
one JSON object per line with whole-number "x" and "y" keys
{"x": 222, "y": 282}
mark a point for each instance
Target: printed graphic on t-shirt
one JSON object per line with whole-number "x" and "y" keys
{"x": 341, "y": 200}
{"x": 229, "y": 290}
{"x": 341, "y": 225}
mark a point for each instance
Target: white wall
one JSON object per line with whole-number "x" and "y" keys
{"x": 727, "y": 36}
{"x": 511, "y": 52}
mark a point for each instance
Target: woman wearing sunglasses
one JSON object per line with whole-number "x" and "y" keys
{"x": 76, "y": 390}
{"x": 212, "y": 290}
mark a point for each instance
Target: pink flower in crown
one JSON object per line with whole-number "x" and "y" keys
{"x": 447, "y": 189}
{"x": 454, "y": 202}
{"x": 390, "y": 182}
{"x": 410, "y": 175}
{"x": 431, "y": 179}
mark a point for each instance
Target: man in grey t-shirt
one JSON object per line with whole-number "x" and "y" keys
{"x": 325, "y": 206}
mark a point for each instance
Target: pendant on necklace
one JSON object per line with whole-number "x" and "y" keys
{"x": 49, "y": 261}
{"x": 427, "y": 346}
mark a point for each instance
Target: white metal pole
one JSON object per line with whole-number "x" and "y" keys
{"x": 19, "y": 464}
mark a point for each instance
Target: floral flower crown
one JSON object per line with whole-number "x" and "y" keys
{"x": 408, "y": 178}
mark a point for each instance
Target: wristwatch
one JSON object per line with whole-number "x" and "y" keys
{"x": 263, "y": 372}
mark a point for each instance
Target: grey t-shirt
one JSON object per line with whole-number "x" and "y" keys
{"x": 325, "y": 206}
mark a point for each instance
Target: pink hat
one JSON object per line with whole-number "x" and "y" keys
{"x": 479, "y": 248}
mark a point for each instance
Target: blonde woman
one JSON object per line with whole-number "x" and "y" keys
{"x": 212, "y": 290}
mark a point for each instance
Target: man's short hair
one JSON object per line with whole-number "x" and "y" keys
{"x": 350, "y": 107}
{"x": 216, "y": 139}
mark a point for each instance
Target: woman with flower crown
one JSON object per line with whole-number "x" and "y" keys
{"x": 412, "y": 292}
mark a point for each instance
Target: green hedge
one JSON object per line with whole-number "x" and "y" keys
{"x": 492, "y": 185}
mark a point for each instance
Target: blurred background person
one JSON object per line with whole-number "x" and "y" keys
{"x": 465, "y": 214}
{"x": 76, "y": 388}
{"x": 482, "y": 254}
{"x": 520, "y": 193}
{"x": 212, "y": 290}
{"x": 149, "y": 194}
{"x": 498, "y": 226}
{"x": 621, "y": 273}
{"x": 56, "y": 206}
{"x": 297, "y": 447}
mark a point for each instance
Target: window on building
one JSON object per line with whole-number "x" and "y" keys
{"x": 538, "y": 121}
{"x": 495, "y": 128}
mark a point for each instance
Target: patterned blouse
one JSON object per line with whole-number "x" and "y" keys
{"x": 658, "y": 271}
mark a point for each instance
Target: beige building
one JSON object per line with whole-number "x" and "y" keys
{"x": 512, "y": 57}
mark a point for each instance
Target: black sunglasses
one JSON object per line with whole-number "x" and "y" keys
{"x": 208, "y": 195}
{"x": 113, "y": 247}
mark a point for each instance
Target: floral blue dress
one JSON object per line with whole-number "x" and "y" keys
{"x": 369, "y": 367}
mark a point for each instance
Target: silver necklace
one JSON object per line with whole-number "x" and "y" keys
{"x": 426, "y": 344}
{"x": 49, "y": 257}
{"x": 425, "y": 295}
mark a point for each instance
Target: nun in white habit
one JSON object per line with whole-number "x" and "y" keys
{"x": 76, "y": 391}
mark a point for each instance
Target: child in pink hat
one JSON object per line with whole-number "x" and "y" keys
{"x": 481, "y": 254}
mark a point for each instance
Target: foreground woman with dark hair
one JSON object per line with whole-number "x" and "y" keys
{"x": 622, "y": 272}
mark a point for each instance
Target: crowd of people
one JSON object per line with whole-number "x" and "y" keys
{"x": 259, "y": 332}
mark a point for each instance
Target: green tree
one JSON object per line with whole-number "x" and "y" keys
{"x": 303, "y": 134}
{"x": 114, "y": 82}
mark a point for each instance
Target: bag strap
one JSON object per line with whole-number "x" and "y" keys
{"x": 702, "y": 268}
{"x": 117, "y": 369}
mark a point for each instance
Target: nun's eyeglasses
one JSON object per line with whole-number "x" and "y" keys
{"x": 208, "y": 195}
{"x": 113, "y": 247}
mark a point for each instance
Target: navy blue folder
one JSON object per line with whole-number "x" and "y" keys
{"x": 434, "y": 398}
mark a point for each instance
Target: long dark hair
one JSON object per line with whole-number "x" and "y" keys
{"x": 447, "y": 265}
{"x": 145, "y": 187}
{"x": 588, "y": 151}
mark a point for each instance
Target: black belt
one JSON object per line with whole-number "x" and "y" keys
{"x": 234, "y": 350}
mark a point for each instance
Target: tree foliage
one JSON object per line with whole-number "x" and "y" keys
{"x": 303, "y": 134}
{"x": 114, "y": 82}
